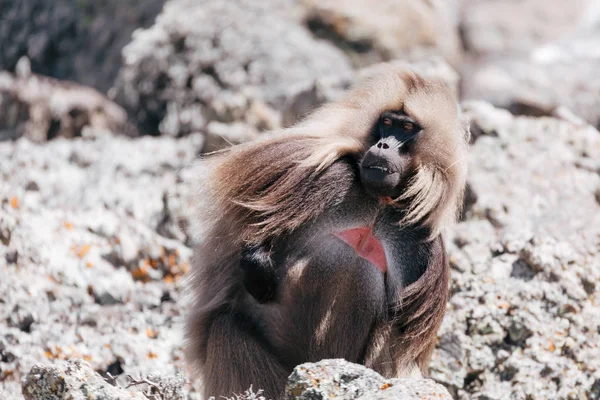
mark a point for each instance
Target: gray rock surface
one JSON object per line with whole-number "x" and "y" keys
{"x": 43, "y": 108}
{"x": 556, "y": 75}
{"x": 523, "y": 320}
{"x": 71, "y": 380}
{"x": 86, "y": 271}
{"x": 374, "y": 31}
{"x": 74, "y": 40}
{"x": 75, "y": 379}
{"x": 508, "y": 27}
{"x": 223, "y": 62}
{"x": 339, "y": 379}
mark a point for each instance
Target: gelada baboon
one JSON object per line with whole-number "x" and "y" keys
{"x": 324, "y": 240}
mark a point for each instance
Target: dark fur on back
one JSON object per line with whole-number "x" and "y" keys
{"x": 289, "y": 189}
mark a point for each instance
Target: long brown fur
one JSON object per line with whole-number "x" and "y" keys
{"x": 279, "y": 185}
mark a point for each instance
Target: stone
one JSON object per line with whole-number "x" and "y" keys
{"x": 340, "y": 379}
{"x": 42, "y": 108}
{"x": 218, "y": 62}
{"x": 490, "y": 28}
{"x": 384, "y": 30}
{"x": 79, "y": 41}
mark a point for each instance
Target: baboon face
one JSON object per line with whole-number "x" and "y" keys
{"x": 386, "y": 163}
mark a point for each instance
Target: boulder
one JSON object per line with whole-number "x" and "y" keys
{"x": 373, "y": 31}
{"x": 79, "y": 41}
{"x": 522, "y": 320}
{"x": 42, "y": 108}
{"x": 228, "y": 62}
{"x": 554, "y": 79}
{"x": 495, "y": 28}
{"x": 75, "y": 379}
{"x": 339, "y": 379}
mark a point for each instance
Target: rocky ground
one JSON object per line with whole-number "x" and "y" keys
{"x": 94, "y": 198}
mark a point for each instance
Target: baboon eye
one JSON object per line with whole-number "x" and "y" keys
{"x": 408, "y": 126}
{"x": 398, "y": 125}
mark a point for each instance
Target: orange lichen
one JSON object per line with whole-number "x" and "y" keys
{"x": 140, "y": 273}
{"x": 68, "y": 226}
{"x": 14, "y": 202}
{"x": 81, "y": 251}
{"x": 54, "y": 353}
{"x": 152, "y": 355}
{"x": 385, "y": 386}
{"x": 168, "y": 263}
{"x": 152, "y": 334}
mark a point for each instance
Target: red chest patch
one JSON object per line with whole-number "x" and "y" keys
{"x": 366, "y": 246}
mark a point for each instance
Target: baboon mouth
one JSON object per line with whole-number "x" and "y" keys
{"x": 388, "y": 169}
{"x": 366, "y": 246}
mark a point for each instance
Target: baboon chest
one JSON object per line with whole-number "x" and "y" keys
{"x": 328, "y": 302}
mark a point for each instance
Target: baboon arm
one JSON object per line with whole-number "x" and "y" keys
{"x": 237, "y": 358}
{"x": 404, "y": 345}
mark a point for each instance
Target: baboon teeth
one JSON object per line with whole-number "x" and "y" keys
{"x": 384, "y": 169}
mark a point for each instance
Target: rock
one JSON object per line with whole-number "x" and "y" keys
{"x": 26, "y": 322}
{"x": 387, "y": 29}
{"x": 169, "y": 225}
{"x": 522, "y": 315}
{"x": 7, "y": 224}
{"x": 554, "y": 78}
{"x": 75, "y": 379}
{"x": 71, "y": 380}
{"x": 219, "y": 62}
{"x": 537, "y": 87}
{"x": 42, "y": 108}
{"x": 518, "y": 332}
{"x": 105, "y": 298}
{"x": 12, "y": 257}
{"x": 562, "y": 168}
{"x": 169, "y": 387}
{"x": 62, "y": 298}
{"x": 489, "y": 28}
{"x": 343, "y": 380}
{"x": 452, "y": 354}
{"x": 79, "y": 41}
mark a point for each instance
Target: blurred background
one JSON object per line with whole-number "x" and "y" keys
{"x": 104, "y": 105}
